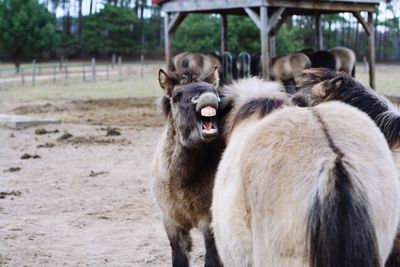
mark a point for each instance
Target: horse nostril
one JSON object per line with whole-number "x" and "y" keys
{"x": 195, "y": 99}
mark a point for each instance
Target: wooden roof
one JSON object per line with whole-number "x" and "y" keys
{"x": 292, "y": 6}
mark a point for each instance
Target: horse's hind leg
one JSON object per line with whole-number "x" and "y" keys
{"x": 181, "y": 243}
{"x": 212, "y": 258}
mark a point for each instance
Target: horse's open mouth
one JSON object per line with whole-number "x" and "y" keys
{"x": 208, "y": 123}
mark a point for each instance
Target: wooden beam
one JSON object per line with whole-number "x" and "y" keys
{"x": 318, "y": 26}
{"x": 253, "y": 16}
{"x": 281, "y": 21}
{"x": 337, "y": 6}
{"x": 224, "y": 33}
{"x": 213, "y": 6}
{"x": 371, "y": 51}
{"x": 209, "y": 5}
{"x": 272, "y": 46}
{"x": 264, "y": 42}
{"x": 275, "y": 18}
{"x": 361, "y": 20}
{"x": 176, "y": 21}
{"x": 167, "y": 40}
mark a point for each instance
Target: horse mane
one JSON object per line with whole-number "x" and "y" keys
{"x": 184, "y": 77}
{"x": 379, "y": 109}
{"x": 251, "y": 96}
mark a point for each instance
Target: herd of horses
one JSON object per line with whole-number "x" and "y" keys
{"x": 284, "y": 68}
{"x": 278, "y": 179}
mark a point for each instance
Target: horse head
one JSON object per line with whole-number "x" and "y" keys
{"x": 191, "y": 102}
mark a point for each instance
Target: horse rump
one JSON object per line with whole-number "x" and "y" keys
{"x": 340, "y": 229}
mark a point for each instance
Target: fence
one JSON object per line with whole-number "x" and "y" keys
{"x": 70, "y": 73}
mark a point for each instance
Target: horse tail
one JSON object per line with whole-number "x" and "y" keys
{"x": 353, "y": 71}
{"x": 340, "y": 227}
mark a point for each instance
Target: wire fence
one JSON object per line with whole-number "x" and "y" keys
{"x": 70, "y": 73}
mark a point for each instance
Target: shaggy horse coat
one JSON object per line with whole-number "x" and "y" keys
{"x": 301, "y": 186}
{"x": 186, "y": 160}
{"x": 345, "y": 60}
{"x": 203, "y": 63}
{"x": 321, "y": 85}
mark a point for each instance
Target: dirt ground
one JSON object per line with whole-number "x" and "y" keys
{"x": 84, "y": 200}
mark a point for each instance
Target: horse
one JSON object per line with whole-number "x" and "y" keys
{"x": 322, "y": 85}
{"x": 322, "y": 59}
{"x": 345, "y": 60}
{"x": 186, "y": 159}
{"x": 301, "y": 186}
{"x": 287, "y": 68}
{"x": 204, "y": 63}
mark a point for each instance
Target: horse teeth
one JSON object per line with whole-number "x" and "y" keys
{"x": 208, "y": 112}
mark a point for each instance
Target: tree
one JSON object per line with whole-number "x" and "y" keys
{"x": 26, "y": 29}
{"x": 198, "y": 33}
{"x": 113, "y": 30}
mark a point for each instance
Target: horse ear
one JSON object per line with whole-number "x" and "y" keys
{"x": 212, "y": 77}
{"x": 166, "y": 82}
{"x": 335, "y": 83}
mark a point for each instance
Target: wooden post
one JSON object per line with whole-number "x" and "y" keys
{"x": 83, "y": 73}
{"x": 61, "y": 62}
{"x": 141, "y": 65}
{"x": 224, "y": 33}
{"x": 272, "y": 44}
{"x": 264, "y": 42}
{"x": 93, "y": 69}
{"x": 371, "y": 50}
{"x": 108, "y": 72}
{"x": 318, "y": 26}
{"x": 120, "y": 68}
{"x": 66, "y": 74}
{"x": 33, "y": 72}
{"x": 113, "y": 59}
{"x": 167, "y": 39}
{"x": 22, "y": 76}
{"x": 54, "y": 73}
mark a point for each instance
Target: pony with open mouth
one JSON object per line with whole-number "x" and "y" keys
{"x": 187, "y": 157}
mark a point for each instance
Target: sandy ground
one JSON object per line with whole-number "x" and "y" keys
{"x": 86, "y": 200}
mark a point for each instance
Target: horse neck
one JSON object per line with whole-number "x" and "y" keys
{"x": 189, "y": 163}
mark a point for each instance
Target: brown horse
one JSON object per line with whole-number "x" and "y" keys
{"x": 186, "y": 159}
{"x": 345, "y": 60}
{"x": 289, "y": 67}
{"x": 302, "y": 187}
{"x": 201, "y": 62}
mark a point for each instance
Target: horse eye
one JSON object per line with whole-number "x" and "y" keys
{"x": 178, "y": 97}
{"x": 195, "y": 99}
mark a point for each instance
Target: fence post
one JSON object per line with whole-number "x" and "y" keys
{"x": 61, "y": 62}
{"x": 93, "y": 69}
{"x": 108, "y": 72}
{"x": 120, "y": 67}
{"x": 54, "y": 73}
{"x": 33, "y": 72}
{"x": 66, "y": 74}
{"x": 113, "y": 60}
{"x": 21, "y": 70}
{"x": 83, "y": 73}
{"x": 141, "y": 65}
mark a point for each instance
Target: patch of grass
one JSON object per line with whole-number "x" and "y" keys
{"x": 387, "y": 78}
{"x": 132, "y": 87}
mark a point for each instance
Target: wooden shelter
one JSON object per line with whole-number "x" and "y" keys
{"x": 268, "y": 16}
